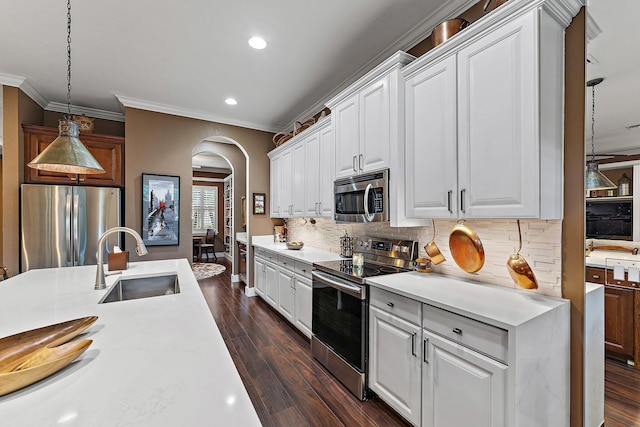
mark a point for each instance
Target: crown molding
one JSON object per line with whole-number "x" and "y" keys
{"x": 91, "y": 112}
{"x": 24, "y": 85}
{"x": 593, "y": 29}
{"x": 418, "y": 33}
{"x": 186, "y": 112}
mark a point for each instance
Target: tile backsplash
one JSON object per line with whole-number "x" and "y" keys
{"x": 541, "y": 245}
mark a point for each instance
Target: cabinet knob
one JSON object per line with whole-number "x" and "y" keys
{"x": 390, "y": 304}
{"x": 596, "y": 276}
{"x": 457, "y": 331}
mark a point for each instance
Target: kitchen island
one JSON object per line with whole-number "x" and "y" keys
{"x": 158, "y": 361}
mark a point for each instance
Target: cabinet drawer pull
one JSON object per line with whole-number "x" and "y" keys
{"x": 449, "y": 194}
{"x": 462, "y": 199}
{"x": 457, "y": 331}
{"x": 413, "y": 344}
{"x": 353, "y": 164}
{"x": 360, "y": 161}
{"x": 596, "y": 276}
{"x": 390, "y": 304}
{"x": 425, "y": 347}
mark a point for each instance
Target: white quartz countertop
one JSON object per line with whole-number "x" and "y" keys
{"x": 598, "y": 258}
{"x": 307, "y": 254}
{"x": 158, "y": 361}
{"x": 241, "y": 237}
{"x": 496, "y": 305}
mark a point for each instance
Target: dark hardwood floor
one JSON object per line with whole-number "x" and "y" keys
{"x": 286, "y": 385}
{"x": 621, "y": 395}
{"x": 289, "y": 388}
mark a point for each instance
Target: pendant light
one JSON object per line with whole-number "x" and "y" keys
{"x": 595, "y": 180}
{"x": 67, "y": 154}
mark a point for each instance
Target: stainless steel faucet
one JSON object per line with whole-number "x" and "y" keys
{"x": 141, "y": 250}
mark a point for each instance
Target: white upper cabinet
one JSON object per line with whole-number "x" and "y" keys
{"x": 327, "y": 172}
{"x": 483, "y": 120}
{"x": 363, "y": 115}
{"x": 302, "y": 174}
{"x": 431, "y": 150}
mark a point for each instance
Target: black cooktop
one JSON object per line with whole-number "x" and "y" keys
{"x": 346, "y": 269}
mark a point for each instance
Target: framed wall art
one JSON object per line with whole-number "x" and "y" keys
{"x": 160, "y": 210}
{"x": 259, "y": 202}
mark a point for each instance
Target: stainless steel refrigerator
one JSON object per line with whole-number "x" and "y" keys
{"x": 61, "y": 224}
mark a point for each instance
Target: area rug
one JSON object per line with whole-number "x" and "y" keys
{"x": 204, "y": 270}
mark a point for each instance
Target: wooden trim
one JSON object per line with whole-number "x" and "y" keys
{"x": 573, "y": 224}
{"x": 636, "y": 329}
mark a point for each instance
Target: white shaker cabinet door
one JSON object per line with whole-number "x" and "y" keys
{"x": 327, "y": 172}
{"x": 298, "y": 180}
{"x": 394, "y": 362}
{"x": 312, "y": 175}
{"x": 498, "y": 132}
{"x": 285, "y": 293}
{"x": 259, "y": 273}
{"x": 431, "y": 145}
{"x": 271, "y": 284}
{"x": 375, "y": 135}
{"x": 461, "y": 387}
{"x": 275, "y": 204}
{"x": 303, "y": 305}
{"x": 286, "y": 184}
{"x": 346, "y": 124}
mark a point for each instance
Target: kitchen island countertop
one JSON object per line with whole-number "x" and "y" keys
{"x": 158, "y": 361}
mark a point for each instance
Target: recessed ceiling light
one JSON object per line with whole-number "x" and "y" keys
{"x": 257, "y": 42}
{"x": 230, "y": 101}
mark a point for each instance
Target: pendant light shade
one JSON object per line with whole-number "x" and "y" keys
{"x": 595, "y": 180}
{"x": 67, "y": 154}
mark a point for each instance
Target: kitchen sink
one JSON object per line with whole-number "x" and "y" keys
{"x": 127, "y": 288}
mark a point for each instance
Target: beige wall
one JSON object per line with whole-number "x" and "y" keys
{"x": 162, "y": 144}
{"x": 18, "y": 109}
{"x": 106, "y": 127}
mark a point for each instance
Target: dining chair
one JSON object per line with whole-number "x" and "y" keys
{"x": 208, "y": 246}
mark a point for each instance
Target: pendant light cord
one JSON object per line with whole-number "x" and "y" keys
{"x": 69, "y": 56}
{"x": 593, "y": 120}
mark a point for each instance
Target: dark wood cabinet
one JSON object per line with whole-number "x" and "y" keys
{"x": 108, "y": 150}
{"x": 619, "y": 336}
{"x": 621, "y": 315}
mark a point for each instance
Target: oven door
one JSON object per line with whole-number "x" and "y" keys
{"x": 362, "y": 198}
{"x": 339, "y": 317}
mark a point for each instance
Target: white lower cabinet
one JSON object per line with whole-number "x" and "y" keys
{"x": 271, "y": 284}
{"x": 461, "y": 387}
{"x": 285, "y": 293}
{"x": 286, "y": 285}
{"x": 394, "y": 368}
{"x": 303, "y": 304}
{"x": 259, "y": 273}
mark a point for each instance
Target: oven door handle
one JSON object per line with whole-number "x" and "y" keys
{"x": 353, "y": 290}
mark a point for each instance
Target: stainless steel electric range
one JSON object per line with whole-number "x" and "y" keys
{"x": 340, "y": 315}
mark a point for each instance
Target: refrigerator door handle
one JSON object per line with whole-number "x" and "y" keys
{"x": 76, "y": 257}
{"x": 68, "y": 226}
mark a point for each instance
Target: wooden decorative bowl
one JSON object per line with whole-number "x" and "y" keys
{"x": 40, "y": 364}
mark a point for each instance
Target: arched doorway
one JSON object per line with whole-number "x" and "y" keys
{"x": 224, "y": 155}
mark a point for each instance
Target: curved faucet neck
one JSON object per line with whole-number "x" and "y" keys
{"x": 140, "y": 250}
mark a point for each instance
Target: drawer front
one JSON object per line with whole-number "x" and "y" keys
{"x": 402, "y": 307}
{"x": 271, "y": 256}
{"x": 303, "y": 269}
{"x": 479, "y": 336}
{"x": 286, "y": 262}
{"x": 257, "y": 252}
{"x": 594, "y": 275}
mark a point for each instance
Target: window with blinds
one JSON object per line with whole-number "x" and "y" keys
{"x": 204, "y": 208}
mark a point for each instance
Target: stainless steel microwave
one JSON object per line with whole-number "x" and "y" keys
{"x": 362, "y": 198}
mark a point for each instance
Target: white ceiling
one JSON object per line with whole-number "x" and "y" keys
{"x": 617, "y": 52}
{"x": 187, "y": 57}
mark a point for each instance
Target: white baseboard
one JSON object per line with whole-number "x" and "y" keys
{"x": 235, "y": 278}
{"x": 250, "y": 291}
